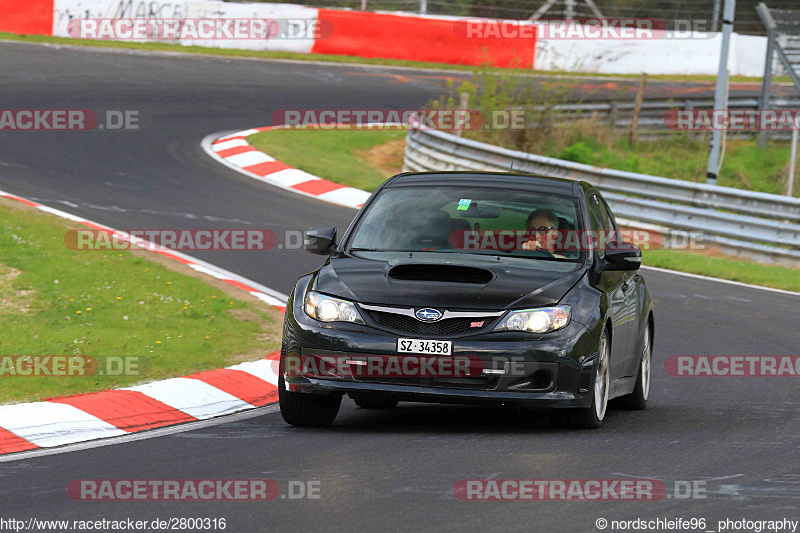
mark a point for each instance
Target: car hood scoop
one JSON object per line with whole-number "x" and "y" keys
{"x": 461, "y": 282}
{"x": 440, "y": 273}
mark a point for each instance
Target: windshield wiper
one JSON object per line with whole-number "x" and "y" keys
{"x": 378, "y": 250}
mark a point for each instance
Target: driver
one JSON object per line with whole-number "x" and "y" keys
{"x": 543, "y": 226}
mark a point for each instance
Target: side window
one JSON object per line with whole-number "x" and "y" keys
{"x": 601, "y": 220}
{"x": 612, "y": 223}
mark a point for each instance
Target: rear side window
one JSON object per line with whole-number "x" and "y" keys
{"x": 602, "y": 221}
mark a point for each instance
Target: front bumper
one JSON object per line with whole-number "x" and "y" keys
{"x": 416, "y": 393}
{"x": 538, "y": 371}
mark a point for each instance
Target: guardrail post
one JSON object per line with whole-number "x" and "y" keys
{"x": 463, "y": 105}
{"x": 721, "y": 93}
{"x": 766, "y": 82}
{"x": 792, "y": 162}
{"x": 613, "y": 115}
{"x": 637, "y": 110}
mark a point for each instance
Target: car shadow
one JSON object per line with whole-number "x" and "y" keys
{"x": 438, "y": 418}
{"x": 464, "y": 419}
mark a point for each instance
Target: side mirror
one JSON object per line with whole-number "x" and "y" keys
{"x": 623, "y": 256}
{"x": 321, "y": 240}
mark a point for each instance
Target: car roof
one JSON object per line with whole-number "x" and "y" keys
{"x": 531, "y": 182}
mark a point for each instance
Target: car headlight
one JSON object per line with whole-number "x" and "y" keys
{"x": 541, "y": 320}
{"x": 328, "y": 309}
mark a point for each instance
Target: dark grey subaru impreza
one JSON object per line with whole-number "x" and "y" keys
{"x": 488, "y": 288}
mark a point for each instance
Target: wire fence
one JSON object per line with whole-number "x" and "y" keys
{"x": 670, "y": 11}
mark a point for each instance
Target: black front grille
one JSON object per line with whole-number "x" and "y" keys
{"x": 479, "y": 383}
{"x": 448, "y": 326}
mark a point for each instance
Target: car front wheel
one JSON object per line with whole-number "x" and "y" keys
{"x": 592, "y": 416}
{"x": 637, "y": 400}
{"x": 300, "y": 409}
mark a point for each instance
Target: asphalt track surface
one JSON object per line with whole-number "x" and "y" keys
{"x": 387, "y": 470}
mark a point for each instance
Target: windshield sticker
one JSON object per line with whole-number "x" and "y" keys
{"x": 463, "y": 205}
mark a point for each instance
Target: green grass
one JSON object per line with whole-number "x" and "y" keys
{"x": 679, "y": 157}
{"x": 720, "y": 267}
{"x": 338, "y": 155}
{"x": 164, "y": 47}
{"x": 56, "y": 301}
{"x": 333, "y": 154}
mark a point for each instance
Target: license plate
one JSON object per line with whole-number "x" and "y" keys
{"x": 423, "y": 346}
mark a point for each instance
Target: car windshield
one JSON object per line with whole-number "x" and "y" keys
{"x": 470, "y": 220}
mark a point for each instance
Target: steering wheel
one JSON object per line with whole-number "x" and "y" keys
{"x": 548, "y": 252}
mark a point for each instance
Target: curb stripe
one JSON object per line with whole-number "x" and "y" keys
{"x": 23, "y": 200}
{"x": 249, "y": 158}
{"x": 317, "y": 187}
{"x": 236, "y": 150}
{"x": 239, "y": 285}
{"x": 243, "y": 385}
{"x": 127, "y": 410}
{"x": 194, "y": 397}
{"x": 10, "y": 443}
{"x": 291, "y": 176}
{"x": 90, "y": 224}
{"x": 239, "y": 135}
{"x": 264, "y": 369}
{"x": 225, "y": 145}
{"x": 48, "y": 424}
{"x": 232, "y": 149}
{"x": 173, "y": 257}
{"x": 267, "y": 167}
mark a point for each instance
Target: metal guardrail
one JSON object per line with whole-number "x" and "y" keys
{"x": 751, "y": 221}
{"x": 618, "y": 114}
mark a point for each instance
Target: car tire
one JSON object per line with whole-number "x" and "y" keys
{"x": 307, "y": 410}
{"x": 592, "y": 417}
{"x": 369, "y": 403}
{"x": 303, "y": 409}
{"x": 637, "y": 400}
